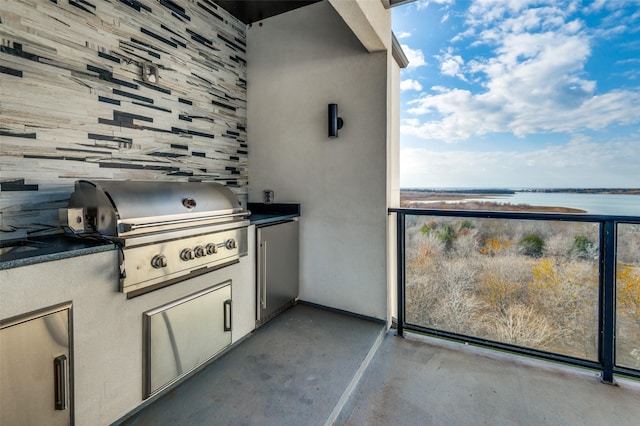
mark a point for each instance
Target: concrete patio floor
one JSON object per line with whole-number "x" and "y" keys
{"x": 426, "y": 381}
{"x": 312, "y": 366}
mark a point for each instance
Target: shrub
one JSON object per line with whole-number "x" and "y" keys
{"x": 447, "y": 234}
{"x": 532, "y": 245}
{"x": 465, "y": 225}
{"x": 583, "y": 248}
{"x": 428, "y": 227}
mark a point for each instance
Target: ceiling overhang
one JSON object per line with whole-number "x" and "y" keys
{"x": 393, "y": 3}
{"x": 250, "y": 11}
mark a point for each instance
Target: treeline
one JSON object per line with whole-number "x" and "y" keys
{"x": 506, "y": 191}
{"x": 628, "y": 191}
{"x": 489, "y": 206}
{"x": 489, "y": 191}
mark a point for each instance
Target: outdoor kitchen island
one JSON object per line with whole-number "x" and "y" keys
{"x": 106, "y": 334}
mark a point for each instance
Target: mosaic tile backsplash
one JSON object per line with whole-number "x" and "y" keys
{"x": 74, "y": 103}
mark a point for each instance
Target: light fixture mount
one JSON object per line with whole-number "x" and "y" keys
{"x": 335, "y": 122}
{"x": 150, "y": 73}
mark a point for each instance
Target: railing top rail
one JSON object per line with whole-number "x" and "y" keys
{"x": 488, "y": 214}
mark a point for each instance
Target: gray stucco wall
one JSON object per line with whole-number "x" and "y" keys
{"x": 300, "y": 62}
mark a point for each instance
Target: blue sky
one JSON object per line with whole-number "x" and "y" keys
{"x": 520, "y": 93}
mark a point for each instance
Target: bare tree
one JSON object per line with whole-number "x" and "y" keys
{"x": 521, "y": 325}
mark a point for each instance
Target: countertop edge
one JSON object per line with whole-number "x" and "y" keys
{"x": 258, "y": 219}
{"x": 32, "y": 260}
{"x": 265, "y": 219}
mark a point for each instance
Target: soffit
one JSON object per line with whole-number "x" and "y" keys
{"x": 250, "y": 11}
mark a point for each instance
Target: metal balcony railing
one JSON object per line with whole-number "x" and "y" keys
{"x": 564, "y": 287}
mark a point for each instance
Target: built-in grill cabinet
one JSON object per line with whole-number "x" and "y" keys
{"x": 167, "y": 231}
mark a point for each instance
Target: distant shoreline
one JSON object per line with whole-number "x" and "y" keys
{"x": 511, "y": 191}
{"x": 616, "y": 191}
{"x": 551, "y": 200}
{"x": 485, "y": 205}
{"x": 483, "y": 200}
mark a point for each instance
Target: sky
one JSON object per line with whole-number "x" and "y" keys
{"x": 520, "y": 93}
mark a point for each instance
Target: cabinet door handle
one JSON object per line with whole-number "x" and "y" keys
{"x": 227, "y": 315}
{"x": 264, "y": 275}
{"x": 61, "y": 375}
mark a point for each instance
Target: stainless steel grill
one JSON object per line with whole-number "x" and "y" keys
{"x": 168, "y": 231}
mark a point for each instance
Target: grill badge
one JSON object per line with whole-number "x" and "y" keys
{"x": 189, "y": 203}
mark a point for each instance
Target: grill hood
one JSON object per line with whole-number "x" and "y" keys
{"x": 120, "y": 208}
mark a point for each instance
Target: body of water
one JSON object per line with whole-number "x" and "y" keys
{"x": 604, "y": 204}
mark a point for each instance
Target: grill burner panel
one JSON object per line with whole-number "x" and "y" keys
{"x": 168, "y": 231}
{"x": 149, "y": 265}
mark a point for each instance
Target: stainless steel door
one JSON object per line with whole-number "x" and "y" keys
{"x": 278, "y": 268}
{"x": 185, "y": 334}
{"x": 34, "y": 369}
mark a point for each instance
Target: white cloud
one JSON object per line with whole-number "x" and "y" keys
{"x": 631, "y": 74}
{"x": 403, "y": 34}
{"x": 628, "y": 61}
{"x": 595, "y": 5}
{"x": 489, "y": 11}
{"x": 609, "y": 164}
{"x": 444, "y": 18}
{"x": 451, "y": 65}
{"x": 415, "y": 56}
{"x": 423, "y": 4}
{"x": 410, "y": 84}
{"x": 534, "y": 82}
{"x": 456, "y": 114}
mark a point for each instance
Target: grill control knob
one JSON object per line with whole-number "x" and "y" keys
{"x": 187, "y": 254}
{"x": 211, "y": 248}
{"x": 159, "y": 261}
{"x": 199, "y": 251}
{"x": 230, "y": 244}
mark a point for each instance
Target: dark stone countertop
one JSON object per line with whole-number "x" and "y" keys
{"x": 265, "y": 214}
{"x": 266, "y": 219}
{"x": 29, "y": 251}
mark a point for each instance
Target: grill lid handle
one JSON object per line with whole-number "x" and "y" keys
{"x": 128, "y": 227}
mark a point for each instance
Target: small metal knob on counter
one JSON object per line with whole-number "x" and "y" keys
{"x": 231, "y": 244}
{"x": 211, "y": 248}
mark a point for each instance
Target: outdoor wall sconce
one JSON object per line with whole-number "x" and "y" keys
{"x": 335, "y": 122}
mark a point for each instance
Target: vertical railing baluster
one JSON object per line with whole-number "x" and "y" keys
{"x": 400, "y": 238}
{"x": 607, "y": 300}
